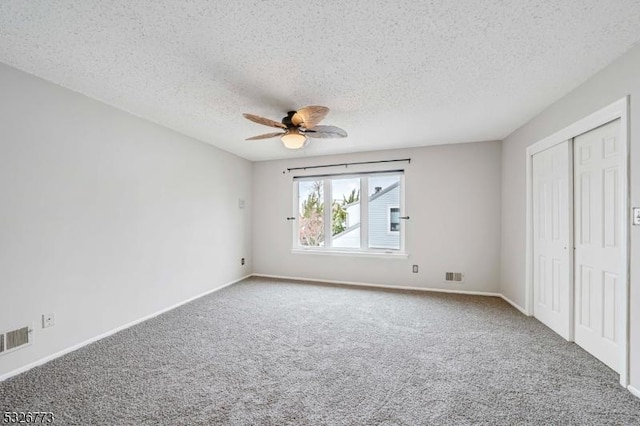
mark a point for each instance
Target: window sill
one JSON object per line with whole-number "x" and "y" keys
{"x": 354, "y": 253}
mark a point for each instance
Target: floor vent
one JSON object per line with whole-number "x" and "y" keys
{"x": 455, "y": 277}
{"x": 15, "y": 339}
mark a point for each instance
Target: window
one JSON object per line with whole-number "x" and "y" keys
{"x": 333, "y": 216}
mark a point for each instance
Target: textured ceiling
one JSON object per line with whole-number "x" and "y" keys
{"x": 395, "y": 74}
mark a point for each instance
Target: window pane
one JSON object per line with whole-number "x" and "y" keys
{"x": 384, "y": 212}
{"x": 345, "y": 213}
{"x": 311, "y": 213}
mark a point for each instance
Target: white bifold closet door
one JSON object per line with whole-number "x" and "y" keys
{"x": 552, "y": 286}
{"x": 599, "y": 258}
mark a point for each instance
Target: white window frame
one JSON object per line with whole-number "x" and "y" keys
{"x": 364, "y": 249}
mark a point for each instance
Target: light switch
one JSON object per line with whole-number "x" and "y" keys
{"x": 636, "y": 216}
{"x": 240, "y": 203}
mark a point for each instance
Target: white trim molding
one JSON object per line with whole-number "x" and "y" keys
{"x": 614, "y": 111}
{"x": 113, "y": 331}
{"x": 634, "y": 391}
{"x": 355, "y": 253}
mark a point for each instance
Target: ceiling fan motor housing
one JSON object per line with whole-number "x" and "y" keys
{"x": 287, "y": 120}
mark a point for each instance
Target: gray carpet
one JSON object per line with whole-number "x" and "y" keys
{"x": 265, "y": 352}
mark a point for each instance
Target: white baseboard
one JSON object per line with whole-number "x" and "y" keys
{"x": 110, "y": 332}
{"x": 634, "y": 391}
{"x": 392, "y": 287}
{"x": 514, "y": 304}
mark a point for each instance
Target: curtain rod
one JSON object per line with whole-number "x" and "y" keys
{"x": 347, "y": 174}
{"x": 408, "y": 160}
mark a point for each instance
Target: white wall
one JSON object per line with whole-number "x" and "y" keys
{"x": 106, "y": 218}
{"x": 452, "y": 197}
{"x": 619, "y": 79}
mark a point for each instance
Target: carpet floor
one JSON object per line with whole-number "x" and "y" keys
{"x": 268, "y": 352}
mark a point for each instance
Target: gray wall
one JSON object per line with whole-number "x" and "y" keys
{"x": 452, "y": 196}
{"x": 106, "y": 218}
{"x": 619, "y": 79}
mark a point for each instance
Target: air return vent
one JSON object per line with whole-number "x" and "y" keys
{"x": 455, "y": 277}
{"x": 15, "y": 339}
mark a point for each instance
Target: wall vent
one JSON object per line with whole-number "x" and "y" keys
{"x": 15, "y": 339}
{"x": 455, "y": 277}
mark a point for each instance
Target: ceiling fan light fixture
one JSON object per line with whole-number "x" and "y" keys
{"x": 293, "y": 140}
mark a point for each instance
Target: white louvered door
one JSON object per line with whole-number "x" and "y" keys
{"x": 599, "y": 259}
{"x": 552, "y": 291}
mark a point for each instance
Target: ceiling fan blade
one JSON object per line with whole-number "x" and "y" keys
{"x": 326, "y": 132}
{"x": 309, "y": 116}
{"x": 265, "y": 136}
{"x": 265, "y": 121}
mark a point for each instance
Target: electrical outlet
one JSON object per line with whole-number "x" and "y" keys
{"x": 48, "y": 320}
{"x": 242, "y": 261}
{"x": 415, "y": 269}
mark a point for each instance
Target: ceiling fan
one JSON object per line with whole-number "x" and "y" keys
{"x": 297, "y": 126}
